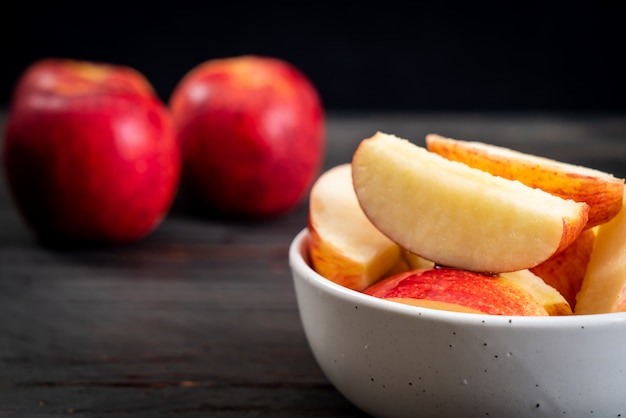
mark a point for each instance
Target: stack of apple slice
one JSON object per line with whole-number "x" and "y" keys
{"x": 471, "y": 227}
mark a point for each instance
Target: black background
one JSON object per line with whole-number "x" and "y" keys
{"x": 381, "y": 56}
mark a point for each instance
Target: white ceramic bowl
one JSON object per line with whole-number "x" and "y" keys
{"x": 394, "y": 360}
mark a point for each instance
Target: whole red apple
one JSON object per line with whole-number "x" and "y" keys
{"x": 90, "y": 152}
{"x": 252, "y": 131}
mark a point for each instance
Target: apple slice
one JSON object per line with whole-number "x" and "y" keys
{"x": 415, "y": 262}
{"x": 601, "y": 191}
{"x": 549, "y": 297}
{"x": 458, "y": 290}
{"x": 603, "y": 288}
{"x": 344, "y": 245}
{"x": 565, "y": 271}
{"x": 458, "y": 216}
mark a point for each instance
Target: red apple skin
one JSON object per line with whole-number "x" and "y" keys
{"x": 481, "y": 292}
{"x": 73, "y": 77}
{"x": 87, "y": 163}
{"x": 252, "y": 131}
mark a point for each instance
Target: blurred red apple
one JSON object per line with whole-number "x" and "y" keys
{"x": 252, "y": 131}
{"x": 90, "y": 152}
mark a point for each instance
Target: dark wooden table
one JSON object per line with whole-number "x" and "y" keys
{"x": 200, "y": 318}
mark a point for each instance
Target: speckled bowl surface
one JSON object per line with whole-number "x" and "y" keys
{"x": 394, "y": 360}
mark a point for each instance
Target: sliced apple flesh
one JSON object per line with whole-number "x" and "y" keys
{"x": 458, "y": 216}
{"x": 344, "y": 245}
{"x": 603, "y": 288}
{"x": 566, "y": 270}
{"x": 415, "y": 262}
{"x": 549, "y": 297}
{"x": 601, "y": 191}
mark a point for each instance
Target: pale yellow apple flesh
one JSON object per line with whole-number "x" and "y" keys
{"x": 458, "y": 216}
{"x": 344, "y": 245}
{"x": 601, "y": 191}
{"x": 549, "y": 297}
{"x": 415, "y": 262}
{"x": 604, "y": 285}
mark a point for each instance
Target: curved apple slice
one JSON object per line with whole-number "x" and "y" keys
{"x": 458, "y": 290}
{"x": 344, "y": 246}
{"x": 458, "y": 216}
{"x": 565, "y": 271}
{"x": 601, "y": 191}
{"x": 604, "y": 285}
{"x": 546, "y": 294}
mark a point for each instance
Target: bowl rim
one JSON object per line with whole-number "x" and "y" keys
{"x": 303, "y": 271}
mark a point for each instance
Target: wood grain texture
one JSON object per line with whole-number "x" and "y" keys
{"x": 200, "y": 318}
